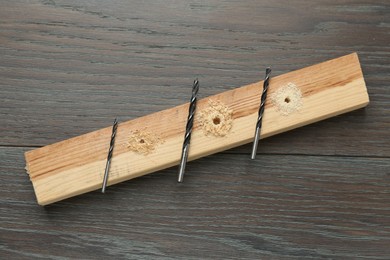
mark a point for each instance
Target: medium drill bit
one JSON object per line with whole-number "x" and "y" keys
{"x": 112, "y": 142}
{"x": 187, "y": 137}
{"x": 261, "y": 112}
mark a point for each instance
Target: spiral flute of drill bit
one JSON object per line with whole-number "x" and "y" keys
{"x": 261, "y": 113}
{"x": 190, "y": 123}
{"x": 109, "y": 156}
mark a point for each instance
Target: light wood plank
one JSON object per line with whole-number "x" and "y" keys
{"x": 76, "y": 165}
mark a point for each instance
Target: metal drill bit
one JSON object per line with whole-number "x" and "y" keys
{"x": 261, "y": 112}
{"x": 112, "y": 142}
{"x": 187, "y": 136}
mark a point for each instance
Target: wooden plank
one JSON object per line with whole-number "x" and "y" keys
{"x": 76, "y": 165}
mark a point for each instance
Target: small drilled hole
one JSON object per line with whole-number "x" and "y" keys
{"x": 142, "y": 141}
{"x": 216, "y": 120}
{"x": 287, "y": 100}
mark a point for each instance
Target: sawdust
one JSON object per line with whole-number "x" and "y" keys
{"x": 216, "y": 119}
{"x": 143, "y": 142}
{"x": 287, "y": 99}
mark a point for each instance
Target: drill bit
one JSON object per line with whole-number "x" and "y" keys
{"x": 112, "y": 142}
{"x": 261, "y": 112}
{"x": 187, "y": 136}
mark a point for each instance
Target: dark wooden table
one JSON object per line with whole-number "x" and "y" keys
{"x": 70, "y": 67}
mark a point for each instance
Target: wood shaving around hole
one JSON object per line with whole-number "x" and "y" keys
{"x": 143, "y": 142}
{"x": 216, "y": 119}
{"x": 287, "y": 99}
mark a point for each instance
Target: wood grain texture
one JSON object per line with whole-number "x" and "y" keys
{"x": 68, "y": 67}
{"x": 76, "y": 56}
{"x": 278, "y": 206}
{"x": 75, "y": 166}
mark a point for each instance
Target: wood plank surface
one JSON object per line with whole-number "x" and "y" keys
{"x": 91, "y": 62}
{"x": 277, "y": 206}
{"x": 75, "y": 166}
{"x": 69, "y": 67}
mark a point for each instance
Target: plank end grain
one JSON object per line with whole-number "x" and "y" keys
{"x": 75, "y": 166}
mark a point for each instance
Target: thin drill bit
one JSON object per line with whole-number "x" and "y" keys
{"x": 187, "y": 137}
{"x": 261, "y": 113}
{"x": 109, "y": 156}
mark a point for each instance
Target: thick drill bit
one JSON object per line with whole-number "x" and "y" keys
{"x": 112, "y": 142}
{"x": 187, "y": 136}
{"x": 261, "y": 113}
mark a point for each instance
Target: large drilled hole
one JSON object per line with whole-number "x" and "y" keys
{"x": 142, "y": 141}
{"x": 287, "y": 100}
{"x": 216, "y": 120}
